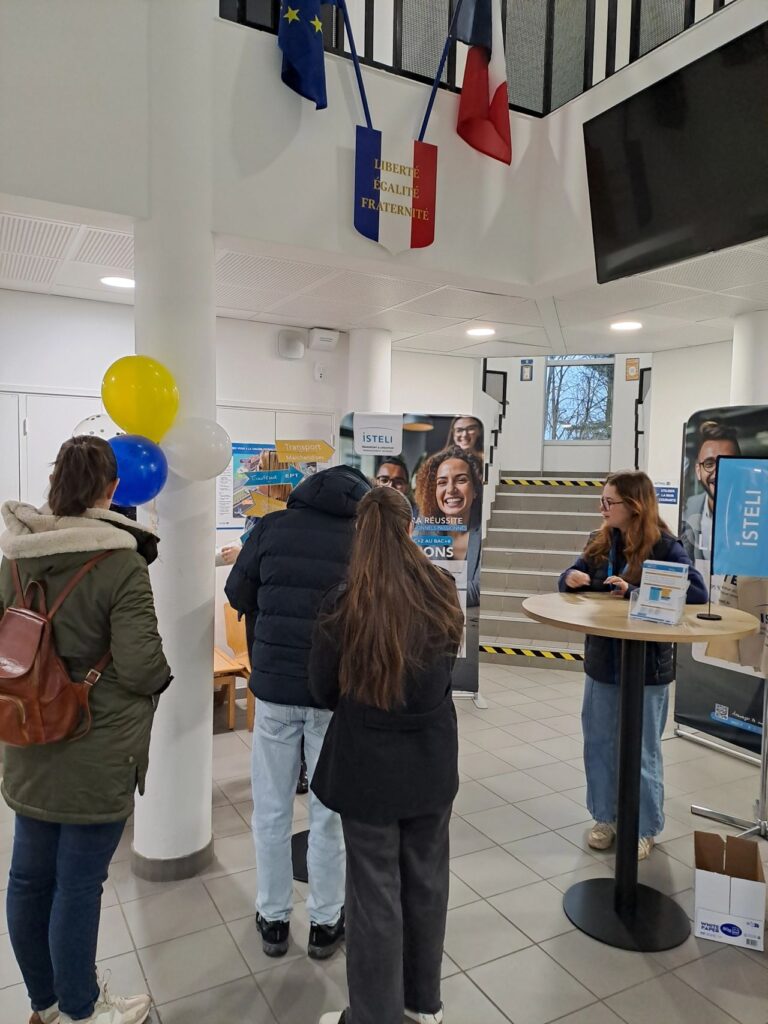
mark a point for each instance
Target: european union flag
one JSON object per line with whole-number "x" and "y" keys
{"x": 300, "y": 37}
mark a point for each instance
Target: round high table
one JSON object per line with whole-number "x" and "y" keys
{"x": 619, "y": 911}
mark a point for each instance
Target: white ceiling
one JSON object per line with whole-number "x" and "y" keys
{"x": 690, "y": 303}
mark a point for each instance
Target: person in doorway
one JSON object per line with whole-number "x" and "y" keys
{"x": 289, "y": 560}
{"x": 466, "y": 432}
{"x": 382, "y": 657}
{"x": 72, "y": 799}
{"x": 612, "y": 562}
{"x": 715, "y": 439}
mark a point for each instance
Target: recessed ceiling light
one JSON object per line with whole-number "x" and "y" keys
{"x": 119, "y": 282}
{"x": 481, "y": 332}
{"x": 626, "y": 325}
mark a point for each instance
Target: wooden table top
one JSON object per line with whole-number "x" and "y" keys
{"x": 603, "y": 615}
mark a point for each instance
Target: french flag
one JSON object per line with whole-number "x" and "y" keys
{"x": 484, "y": 104}
{"x": 395, "y": 190}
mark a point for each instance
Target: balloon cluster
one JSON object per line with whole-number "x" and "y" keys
{"x": 142, "y": 402}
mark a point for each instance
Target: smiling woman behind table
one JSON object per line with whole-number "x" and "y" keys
{"x": 612, "y": 561}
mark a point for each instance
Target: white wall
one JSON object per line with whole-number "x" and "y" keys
{"x": 573, "y": 457}
{"x": 430, "y": 382}
{"x": 522, "y": 437}
{"x": 683, "y": 381}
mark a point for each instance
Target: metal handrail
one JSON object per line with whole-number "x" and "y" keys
{"x": 335, "y": 41}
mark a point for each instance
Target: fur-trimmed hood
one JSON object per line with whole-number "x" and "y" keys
{"x": 32, "y": 533}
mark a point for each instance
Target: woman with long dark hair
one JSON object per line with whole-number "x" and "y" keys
{"x": 612, "y": 562}
{"x": 72, "y": 798}
{"x": 382, "y": 658}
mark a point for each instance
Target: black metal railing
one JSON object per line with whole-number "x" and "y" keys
{"x": 551, "y": 45}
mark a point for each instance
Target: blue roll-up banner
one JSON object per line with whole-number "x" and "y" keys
{"x": 436, "y": 462}
{"x": 740, "y": 544}
{"x": 724, "y": 528}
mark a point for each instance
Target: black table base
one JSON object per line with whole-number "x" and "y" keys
{"x": 656, "y": 923}
{"x": 618, "y": 911}
{"x": 299, "y": 847}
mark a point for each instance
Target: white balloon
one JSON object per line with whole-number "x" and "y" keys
{"x": 197, "y": 449}
{"x": 99, "y": 425}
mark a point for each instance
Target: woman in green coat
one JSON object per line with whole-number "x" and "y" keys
{"x": 72, "y": 798}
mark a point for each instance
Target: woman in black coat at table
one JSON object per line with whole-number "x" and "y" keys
{"x": 382, "y": 656}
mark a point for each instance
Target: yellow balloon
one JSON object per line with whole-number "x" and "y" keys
{"x": 141, "y": 396}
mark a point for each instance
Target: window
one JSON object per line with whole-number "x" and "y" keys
{"x": 579, "y": 398}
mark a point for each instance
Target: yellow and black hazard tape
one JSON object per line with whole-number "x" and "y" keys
{"x": 531, "y": 652}
{"x": 542, "y": 482}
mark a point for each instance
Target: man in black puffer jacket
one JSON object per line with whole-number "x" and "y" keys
{"x": 289, "y": 561}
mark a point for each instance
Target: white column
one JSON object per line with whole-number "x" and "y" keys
{"x": 370, "y": 370}
{"x": 175, "y": 323}
{"x": 749, "y": 362}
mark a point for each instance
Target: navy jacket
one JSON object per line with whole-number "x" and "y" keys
{"x": 381, "y": 766}
{"x": 289, "y": 560}
{"x": 602, "y": 655}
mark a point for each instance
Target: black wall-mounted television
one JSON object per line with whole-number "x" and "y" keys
{"x": 681, "y": 168}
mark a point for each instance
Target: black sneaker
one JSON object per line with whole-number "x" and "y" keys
{"x": 274, "y": 936}
{"x": 302, "y": 786}
{"x": 325, "y": 939}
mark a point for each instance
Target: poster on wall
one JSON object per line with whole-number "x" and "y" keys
{"x": 720, "y": 684}
{"x": 261, "y": 476}
{"x": 437, "y": 463}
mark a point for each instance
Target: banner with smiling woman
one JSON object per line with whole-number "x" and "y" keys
{"x": 437, "y": 463}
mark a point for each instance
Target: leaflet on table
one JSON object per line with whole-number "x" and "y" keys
{"x": 661, "y": 594}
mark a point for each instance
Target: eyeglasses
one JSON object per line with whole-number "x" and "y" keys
{"x": 608, "y": 503}
{"x": 465, "y": 430}
{"x": 708, "y": 465}
{"x": 388, "y": 481}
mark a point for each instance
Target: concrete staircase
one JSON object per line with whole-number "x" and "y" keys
{"x": 537, "y": 528}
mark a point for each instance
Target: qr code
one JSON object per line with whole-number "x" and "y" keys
{"x": 721, "y": 711}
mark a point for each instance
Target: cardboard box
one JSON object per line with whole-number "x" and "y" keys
{"x": 730, "y": 891}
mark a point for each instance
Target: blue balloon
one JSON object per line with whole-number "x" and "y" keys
{"x": 141, "y": 467}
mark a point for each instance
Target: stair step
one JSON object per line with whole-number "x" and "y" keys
{"x": 517, "y": 624}
{"x": 538, "y": 519}
{"x": 514, "y": 559}
{"x": 515, "y": 539}
{"x": 545, "y": 500}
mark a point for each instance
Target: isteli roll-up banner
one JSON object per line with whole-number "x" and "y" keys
{"x": 437, "y": 463}
{"x": 720, "y": 684}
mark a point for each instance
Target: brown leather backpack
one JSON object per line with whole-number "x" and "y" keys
{"x": 39, "y": 703}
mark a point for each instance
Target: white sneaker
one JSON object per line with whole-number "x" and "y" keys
{"x": 644, "y": 847}
{"x": 49, "y": 1016}
{"x": 111, "y": 1009}
{"x": 425, "y": 1018}
{"x": 601, "y": 835}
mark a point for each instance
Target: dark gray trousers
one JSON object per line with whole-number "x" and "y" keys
{"x": 396, "y": 906}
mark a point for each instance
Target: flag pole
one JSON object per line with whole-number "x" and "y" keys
{"x": 439, "y": 75}
{"x": 356, "y": 61}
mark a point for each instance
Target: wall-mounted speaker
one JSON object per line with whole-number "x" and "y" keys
{"x": 290, "y": 344}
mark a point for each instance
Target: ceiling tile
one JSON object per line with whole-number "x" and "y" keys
{"x": 500, "y": 349}
{"x": 107, "y": 248}
{"x": 716, "y": 272}
{"x": 252, "y": 300}
{"x": 321, "y": 313}
{"x": 432, "y": 343}
{"x": 756, "y": 292}
{"x": 404, "y": 324}
{"x": 267, "y": 274}
{"x": 374, "y": 289}
{"x": 761, "y": 244}
{"x": 32, "y": 237}
{"x": 513, "y": 311}
{"x": 707, "y": 306}
{"x": 451, "y": 302}
{"x": 615, "y": 298}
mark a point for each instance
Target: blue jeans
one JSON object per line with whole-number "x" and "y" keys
{"x": 275, "y": 762}
{"x": 600, "y": 724}
{"x": 53, "y": 909}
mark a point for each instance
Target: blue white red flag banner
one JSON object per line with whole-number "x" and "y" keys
{"x": 395, "y": 190}
{"x": 740, "y": 540}
{"x": 484, "y": 104}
